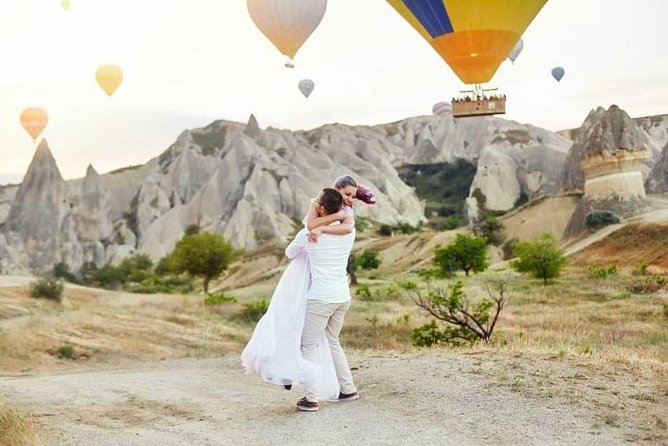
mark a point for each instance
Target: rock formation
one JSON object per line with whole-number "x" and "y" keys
{"x": 658, "y": 179}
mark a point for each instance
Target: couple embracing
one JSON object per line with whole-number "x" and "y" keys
{"x": 297, "y": 340}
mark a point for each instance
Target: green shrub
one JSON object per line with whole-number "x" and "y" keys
{"x": 602, "y": 272}
{"x": 167, "y": 284}
{"x": 406, "y": 228}
{"x": 640, "y": 269}
{"x": 368, "y": 259}
{"x": 62, "y": 271}
{"x": 542, "y": 258}
{"x": 219, "y": 299}
{"x": 648, "y": 285}
{"x": 135, "y": 269}
{"x": 491, "y": 228}
{"x": 108, "y": 277}
{"x": 47, "y": 288}
{"x": 363, "y": 292}
{"x": 385, "y": 230}
{"x": 452, "y": 222}
{"x": 361, "y": 224}
{"x": 253, "y": 311}
{"x": 428, "y": 335}
{"x": 66, "y": 351}
{"x": 601, "y": 218}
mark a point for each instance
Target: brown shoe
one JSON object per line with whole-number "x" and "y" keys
{"x": 307, "y": 406}
{"x": 348, "y": 396}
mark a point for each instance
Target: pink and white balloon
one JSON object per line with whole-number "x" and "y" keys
{"x": 442, "y": 109}
{"x": 306, "y": 86}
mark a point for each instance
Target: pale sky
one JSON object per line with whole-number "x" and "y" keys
{"x": 189, "y": 62}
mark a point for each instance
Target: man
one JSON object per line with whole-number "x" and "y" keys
{"x": 328, "y": 298}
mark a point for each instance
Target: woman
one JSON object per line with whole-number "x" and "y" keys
{"x": 274, "y": 350}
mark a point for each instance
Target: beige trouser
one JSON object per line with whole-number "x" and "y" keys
{"x": 328, "y": 318}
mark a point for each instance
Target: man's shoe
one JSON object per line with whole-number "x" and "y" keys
{"x": 348, "y": 396}
{"x": 307, "y": 406}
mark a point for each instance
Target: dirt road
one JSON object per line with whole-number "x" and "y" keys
{"x": 408, "y": 398}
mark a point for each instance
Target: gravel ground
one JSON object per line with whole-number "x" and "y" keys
{"x": 407, "y": 398}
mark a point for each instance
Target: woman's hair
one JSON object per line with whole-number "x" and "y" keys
{"x": 363, "y": 194}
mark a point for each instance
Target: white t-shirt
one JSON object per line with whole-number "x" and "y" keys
{"x": 328, "y": 258}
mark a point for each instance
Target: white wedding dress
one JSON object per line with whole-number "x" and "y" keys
{"x": 274, "y": 350}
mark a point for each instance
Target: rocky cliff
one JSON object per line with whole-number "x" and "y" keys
{"x": 253, "y": 184}
{"x": 658, "y": 179}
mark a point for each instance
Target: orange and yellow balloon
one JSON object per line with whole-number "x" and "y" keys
{"x": 473, "y": 36}
{"x": 109, "y": 77}
{"x": 34, "y": 120}
{"x": 287, "y": 23}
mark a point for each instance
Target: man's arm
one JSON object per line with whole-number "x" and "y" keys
{"x": 296, "y": 245}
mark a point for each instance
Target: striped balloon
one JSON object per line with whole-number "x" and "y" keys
{"x": 442, "y": 109}
{"x": 473, "y": 36}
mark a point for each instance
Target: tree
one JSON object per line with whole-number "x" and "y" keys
{"x": 543, "y": 258}
{"x": 368, "y": 259}
{"x": 467, "y": 252}
{"x": 467, "y": 322}
{"x": 203, "y": 254}
{"x": 351, "y": 268}
{"x": 491, "y": 228}
{"x": 385, "y": 230}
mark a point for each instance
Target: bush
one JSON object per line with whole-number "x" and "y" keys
{"x": 363, "y": 292}
{"x": 219, "y": 299}
{"x": 648, "y": 285}
{"x": 601, "y": 272}
{"x": 66, "y": 351}
{"x": 466, "y": 252}
{"x": 542, "y": 258}
{"x": 601, "y": 218}
{"x": 62, "y": 271}
{"x": 640, "y": 269}
{"x": 491, "y": 228}
{"x": 368, "y": 259}
{"x": 466, "y": 322}
{"x": 108, "y": 277}
{"x": 452, "y": 222}
{"x": 407, "y": 228}
{"x": 253, "y": 311}
{"x": 135, "y": 269}
{"x": 163, "y": 284}
{"x": 361, "y": 224}
{"x": 47, "y": 288}
{"x": 385, "y": 230}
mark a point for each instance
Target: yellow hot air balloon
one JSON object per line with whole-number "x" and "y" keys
{"x": 473, "y": 36}
{"x": 65, "y": 4}
{"x": 109, "y": 77}
{"x": 34, "y": 120}
{"x": 287, "y": 23}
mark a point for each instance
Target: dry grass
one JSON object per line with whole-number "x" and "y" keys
{"x": 629, "y": 247}
{"x": 17, "y": 428}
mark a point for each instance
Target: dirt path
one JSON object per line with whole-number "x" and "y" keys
{"x": 407, "y": 399}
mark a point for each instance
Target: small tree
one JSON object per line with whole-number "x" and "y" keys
{"x": 469, "y": 322}
{"x": 48, "y": 287}
{"x": 368, "y": 259}
{"x": 543, "y": 258}
{"x": 491, "y": 228}
{"x": 62, "y": 271}
{"x": 466, "y": 252}
{"x": 135, "y": 268}
{"x": 351, "y": 268}
{"x": 203, "y": 254}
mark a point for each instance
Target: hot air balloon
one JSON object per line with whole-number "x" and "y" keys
{"x": 65, "y": 4}
{"x": 473, "y": 36}
{"x": 442, "y": 109}
{"x": 558, "y": 73}
{"x": 109, "y": 77}
{"x": 306, "y": 86}
{"x": 34, "y": 120}
{"x": 517, "y": 49}
{"x": 287, "y": 23}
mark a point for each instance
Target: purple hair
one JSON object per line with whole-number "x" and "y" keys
{"x": 363, "y": 194}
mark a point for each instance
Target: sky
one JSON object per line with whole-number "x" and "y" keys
{"x": 189, "y": 62}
